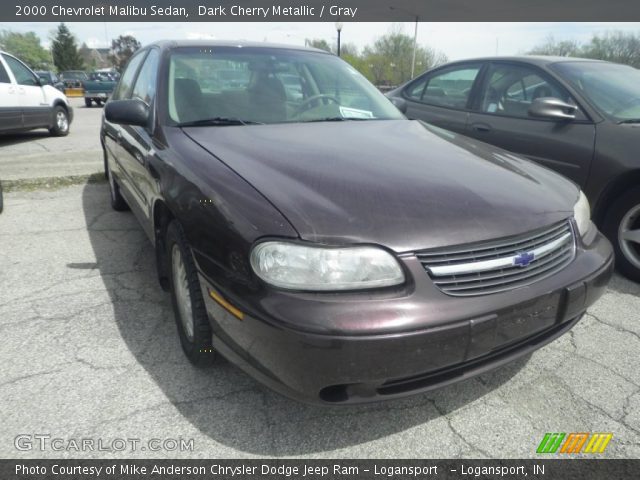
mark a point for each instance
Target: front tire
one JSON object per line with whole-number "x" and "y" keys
{"x": 622, "y": 228}
{"x": 60, "y": 126}
{"x": 87, "y": 102}
{"x": 188, "y": 305}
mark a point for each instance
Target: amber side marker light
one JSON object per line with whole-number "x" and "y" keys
{"x": 226, "y": 305}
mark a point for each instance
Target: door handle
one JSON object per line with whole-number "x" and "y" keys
{"x": 481, "y": 127}
{"x": 119, "y": 137}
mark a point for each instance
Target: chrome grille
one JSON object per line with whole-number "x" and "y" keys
{"x": 500, "y": 265}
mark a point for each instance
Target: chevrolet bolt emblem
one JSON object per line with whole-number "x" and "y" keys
{"x": 524, "y": 259}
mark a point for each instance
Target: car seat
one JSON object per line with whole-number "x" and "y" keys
{"x": 189, "y": 100}
{"x": 267, "y": 96}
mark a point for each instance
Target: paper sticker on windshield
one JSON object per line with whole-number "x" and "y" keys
{"x": 347, "y": 112}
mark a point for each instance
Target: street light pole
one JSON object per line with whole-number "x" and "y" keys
{"x": 415, "y": 47}
{"x": 339, "y": 29}
{"x": 415, "y": 38}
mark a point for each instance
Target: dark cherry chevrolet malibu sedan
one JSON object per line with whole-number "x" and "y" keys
{"x": 330, "y": 247}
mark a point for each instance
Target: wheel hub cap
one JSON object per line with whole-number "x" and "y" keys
{"x": 629, "y": 236}
{"x": 62, "y": 122}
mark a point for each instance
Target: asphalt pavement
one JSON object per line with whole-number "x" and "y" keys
{"x": 89, "y": 350}
{"x": 37, "y": 154}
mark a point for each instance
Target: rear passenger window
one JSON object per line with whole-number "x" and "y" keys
{"x": 145, "y": 88}
{"x": 451, "y": 87}
{"x": 4, "y": 76}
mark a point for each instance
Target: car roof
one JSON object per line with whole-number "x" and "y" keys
{"x": 532, "y": 59}
{"x": 169, "y": 44}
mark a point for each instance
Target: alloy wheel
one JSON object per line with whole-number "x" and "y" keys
{"x": 629, "y": 236}
{"x": 62, "y": 122}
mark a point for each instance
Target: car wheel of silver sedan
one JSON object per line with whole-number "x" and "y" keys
{"x": 188, "y": 305}
{"x": 622, "y": 227}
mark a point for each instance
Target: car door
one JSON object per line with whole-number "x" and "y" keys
{"x": 501, "y": 117}
{"x": 10, "y": 110}
{"x": 36, "y": 111}
{"x": 117, "y": 138}
{"x": 441, "y": 97}
{"x": 137, "y": 142}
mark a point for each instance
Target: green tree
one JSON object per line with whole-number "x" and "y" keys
{"x": 551, "y": 46}
{"x": 27, "y": 47}
{"x": 350, "y": 54}
{"x": 391, "y": 56}
{"x": 318, "y": 43}
{"x": 619, "y": 47}
{"x": 65, "y": 50}
{"x": 122, "y": 48}
{"x": 349, "y": 50}
{"x": 616, "y": 46}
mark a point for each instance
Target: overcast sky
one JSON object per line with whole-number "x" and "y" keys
{"x": 456, "y": 40}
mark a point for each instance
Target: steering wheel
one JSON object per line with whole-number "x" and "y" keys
{"x": 629, "y": 104}
{"x": 306, "y": 105}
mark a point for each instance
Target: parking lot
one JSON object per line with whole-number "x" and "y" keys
{"x": 38, "y": 155}
{"x": 90, "y": 350}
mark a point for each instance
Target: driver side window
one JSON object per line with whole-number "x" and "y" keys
{"x": 125, "y": 85}
{"x": 511, "y": 89}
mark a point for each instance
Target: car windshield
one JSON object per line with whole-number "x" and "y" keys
{"x": 612, "y": 88}
{"x": 238, "y": 86}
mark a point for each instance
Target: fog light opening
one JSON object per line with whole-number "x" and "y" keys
{"x": 334, "y": 394}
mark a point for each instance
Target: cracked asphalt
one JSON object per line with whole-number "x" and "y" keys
{"x": 90, "y": 350}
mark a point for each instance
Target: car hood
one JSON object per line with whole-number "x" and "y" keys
{"x": 398, "y": 183}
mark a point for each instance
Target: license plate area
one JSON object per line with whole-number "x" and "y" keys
{"x": 526, "y": 319}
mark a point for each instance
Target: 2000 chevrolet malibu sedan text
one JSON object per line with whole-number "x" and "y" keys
{"x": 330, "y": 247}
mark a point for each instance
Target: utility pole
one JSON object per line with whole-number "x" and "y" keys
{"x": 415, "y": 47}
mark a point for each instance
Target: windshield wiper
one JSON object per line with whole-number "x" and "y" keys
{"x": 629, "y": 120}
{"x": 218, "y": 121}
{"x": 336, "y": 119}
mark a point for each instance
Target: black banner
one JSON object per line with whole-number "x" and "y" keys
{"x": 566, "y": 469}
{"x": 317, "y": 10}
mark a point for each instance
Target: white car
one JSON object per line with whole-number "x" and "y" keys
{"x": 26, "y": 104}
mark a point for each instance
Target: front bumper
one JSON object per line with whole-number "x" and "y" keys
{"x": 354, "y": 348}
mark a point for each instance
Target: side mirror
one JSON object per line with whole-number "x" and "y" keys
{"x": 400, "y": 103}
{"x": 553, "y": 108}
{"x": 127, "y": 112}
{"x": 43, "y": 80}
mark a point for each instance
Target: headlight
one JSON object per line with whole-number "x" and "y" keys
{"x": 582, "y": 214}
{"x": 300, "y": 267}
